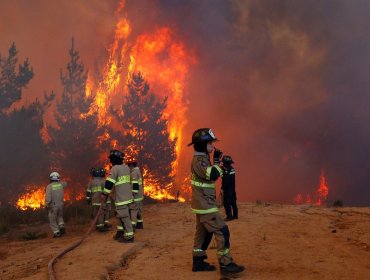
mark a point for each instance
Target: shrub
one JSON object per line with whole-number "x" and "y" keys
{"x": 338, "y": 203}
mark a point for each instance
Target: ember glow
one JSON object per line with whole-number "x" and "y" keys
{"x": 320, "y": 195}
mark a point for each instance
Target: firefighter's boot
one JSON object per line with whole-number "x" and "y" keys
{"x": 118, "y": 235}
{"x": 231, "y": 269}
{"x": 126, "y": 240}
{"x": 139, "y": 225}
{"x": 200, "y": 265}
{"x": 62, "y": 230}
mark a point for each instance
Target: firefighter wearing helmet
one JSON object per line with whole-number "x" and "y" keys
{"x": 54, "y": 197}
{"x": 119, "y": 178}
{"x": 203, "y": 204}
{"x": 136, "y": 208}
{"x": 228, "y": 189}
{"x": 94, "y": 190}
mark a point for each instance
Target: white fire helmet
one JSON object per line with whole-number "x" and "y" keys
{"x": 54, "y": 176}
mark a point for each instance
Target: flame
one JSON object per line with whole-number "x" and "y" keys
{"x": 164, "y": 61}
{"x": 153, "y": 189}
{"x": 34, "y": 197}
{"x": 321, "y": 194}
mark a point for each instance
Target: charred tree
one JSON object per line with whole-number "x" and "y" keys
{"x": 24, "y": 158}
{"x": 74, "y": 142}
{"x": 145, "y": 133}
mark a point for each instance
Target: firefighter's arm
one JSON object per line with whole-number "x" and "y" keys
{"x": 135, "y": 182}
{"x": 47, "y": 197}
{"x": 215, "y": 171}
{"x": 88, "y": 195}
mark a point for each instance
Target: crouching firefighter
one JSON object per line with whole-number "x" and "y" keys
{"x": 94, "y": 190}
{"x": 136, "y": 208}
{"x": 119, "y": 178}
{"x": 54, "y": 198}
{"x": 203, "y": 204}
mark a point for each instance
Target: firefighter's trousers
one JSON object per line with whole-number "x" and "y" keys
{"x": 56, "y": 218}
{"x": 134, "y": 210}
{"x": 124, "y": 221}
{"x": 100, "y": 220}
{"x": 206, "y": 226}
{"x": 140, "y": 212}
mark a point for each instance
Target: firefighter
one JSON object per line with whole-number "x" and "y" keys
{"x": 54, "y": 198}
{"x": 119, "y": 178}
{"x": 93, "y": 193}
{"x": 228, "y": 188}
{"x": 203, "y": 204}
{"x": 136, "y": 208}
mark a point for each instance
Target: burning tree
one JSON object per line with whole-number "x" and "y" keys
{"x": 22, "y": 143}
{"x": 74, "y": 142}
{"x": 145, "y": 133}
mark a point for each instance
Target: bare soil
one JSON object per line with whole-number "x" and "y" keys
{"x": 273, "y": 241}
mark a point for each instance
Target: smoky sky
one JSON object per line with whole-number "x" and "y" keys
{"x": 283, "y": 84}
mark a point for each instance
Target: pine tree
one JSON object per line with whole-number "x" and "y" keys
{"x": 74, "y": 144}
{"x": 145, "y": 134}
{"x": 11, "y": 82}
{"x": 24, "y": 157}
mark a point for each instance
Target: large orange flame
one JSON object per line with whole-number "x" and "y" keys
{"x": 164, "y": 61}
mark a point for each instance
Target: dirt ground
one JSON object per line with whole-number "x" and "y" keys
{"x": 273, "y": 241}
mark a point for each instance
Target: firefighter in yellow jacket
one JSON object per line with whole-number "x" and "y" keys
{"x": 94, "y": 190}
{"x": 203, "y": 204}
{"x": 119, "y": 178}
{"x": 136, "y": 208}
{"x": 54, "y": 199}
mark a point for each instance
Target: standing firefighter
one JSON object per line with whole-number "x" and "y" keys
{"x": 94, "y": 190}
{"x": 136, "y": 208}
{"x": 228, "y": 188}
{"x": 203, "y": 203}
{"x": 54, "y": 204}
{"x": 119, "y": 178}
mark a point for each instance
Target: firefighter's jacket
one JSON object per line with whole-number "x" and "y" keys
{"x": 137, "y": 179}
{"x": 55, "y": 194}
{"x": 203, "y": 199}
{"x": 94, "y": 189}
{"x": 120, "y": 176}
{"x": 228, "y": 182}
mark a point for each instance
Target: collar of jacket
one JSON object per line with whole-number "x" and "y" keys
{"x": 199, "y": 154}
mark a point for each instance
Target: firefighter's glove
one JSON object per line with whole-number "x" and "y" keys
{"x": 88, "y": 200}
{"x": 217, "y": 155}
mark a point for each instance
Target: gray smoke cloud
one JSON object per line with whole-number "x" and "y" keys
{"x": 284, "y": 84}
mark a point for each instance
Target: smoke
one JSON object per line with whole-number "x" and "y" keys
{"x": 282, "y": 83}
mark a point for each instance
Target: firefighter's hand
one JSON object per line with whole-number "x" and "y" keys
{"x": 88, "y": 201}
{"x": 217, "y": 155}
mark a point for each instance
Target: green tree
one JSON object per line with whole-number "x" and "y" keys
{"x": 24, "y": 157}
{"x": 74, "y": 142}
{"x": 145, "y": 133}
{"x": 11, "y": 81}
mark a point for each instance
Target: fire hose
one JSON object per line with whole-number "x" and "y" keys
{"x": 73, "y": 246}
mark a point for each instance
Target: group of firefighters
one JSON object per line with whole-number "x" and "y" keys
{"x": 123, "y": 187}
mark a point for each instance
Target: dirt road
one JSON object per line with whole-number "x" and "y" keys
{"x": 272, "y": 241}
